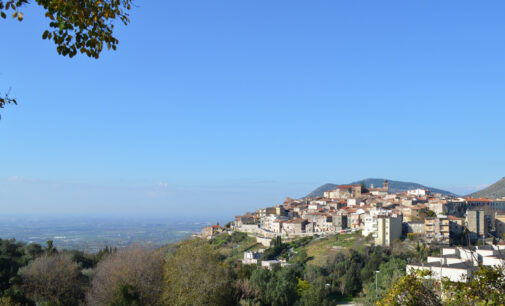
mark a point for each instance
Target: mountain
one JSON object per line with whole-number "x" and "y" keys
{"x": 394, "y": 187}
{"x": 497, "y": 190}
{"x": 319, "y": 191}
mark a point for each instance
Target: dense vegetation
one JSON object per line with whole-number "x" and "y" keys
{"x": 208, "y": 272}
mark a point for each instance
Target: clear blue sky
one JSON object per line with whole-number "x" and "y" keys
{"x": 218, "y": 107}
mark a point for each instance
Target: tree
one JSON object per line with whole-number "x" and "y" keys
{"x": 133, "y": 274}
{"x": 412, "y": 290}
{"x": 487, "y": 287}
{"x": 276, "y": 287}
{"x": 363, "y": 186}
{"x": 5, "y": 99}
{"x": 53, "y": 279}
{"x": 127, "y": 295}
{"x": 431, "y": 214}
{"x": 84, "y": 26}
{"x": 389, "y": 274}
{"x": 315, "y": 295}
{"x": 51, "y": 249}
{"x": 77, "y": 25}
{"x": 195, "y": 275}
{"x": 11, "y": 253}
{"x": 351, "y": 280}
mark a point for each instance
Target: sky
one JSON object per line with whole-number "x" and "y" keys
{"x": 214, "y": 108}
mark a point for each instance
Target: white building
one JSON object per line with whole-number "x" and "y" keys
{"x": 458, "y": 264}
{"x": 418, "y": 192}
{"x": 370, "y": 221}
{"x": 273, "y": 223}
{"x": 251, "y": 258}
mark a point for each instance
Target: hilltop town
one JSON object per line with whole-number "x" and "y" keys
{"x": 385, "y": 218}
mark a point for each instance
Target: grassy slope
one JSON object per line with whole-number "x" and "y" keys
{"x": 319, "y": 250}
{"x": 234, "y": 250}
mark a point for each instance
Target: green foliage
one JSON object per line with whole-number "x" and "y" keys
{"x": 195, "y": 275}
{"x": 431, "y": 214}
{"x": 196, "y": 272}
{"x": 412, "y": 289}
{"x": 487, "y": 287}
{"x": 104, "y": 252}
{"x": 127, "y": 295}
{"x": 53, "y": 279}
{"x": 389, "y": 274}
{"x": 225, "y": 238}
{"x": 276, "y": 287}
{"x": 315, "y": 295}
{"x": 51, "y": 249}
{"x": 84, "y": 26}
{"x": 276, "y": 249}
{"x": 13, "y": 256}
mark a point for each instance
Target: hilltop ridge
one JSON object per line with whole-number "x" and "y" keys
{"x": 496, "y": 190}
{"x": 394, "y": 187}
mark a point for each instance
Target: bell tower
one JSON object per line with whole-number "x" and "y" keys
{"x": 385, "y": 185}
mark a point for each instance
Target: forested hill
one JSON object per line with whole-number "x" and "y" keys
{"x": 497, "y": 190}
{"x": 394, "y": 187}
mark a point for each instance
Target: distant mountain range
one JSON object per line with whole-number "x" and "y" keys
{"x": 394, "y": 187}
{"x": 497, "y": 190}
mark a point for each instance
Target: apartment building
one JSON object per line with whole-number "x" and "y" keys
{"x": 438, "y": 229}
{"x": 389, "y": 228}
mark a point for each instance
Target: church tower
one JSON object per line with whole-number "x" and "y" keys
{"x": 385, "y": 185}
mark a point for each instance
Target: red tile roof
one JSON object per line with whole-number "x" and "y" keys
{"x": 478, "y": 200}
{"x": 347, "y": 186}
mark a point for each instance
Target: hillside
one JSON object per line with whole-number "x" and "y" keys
{"x": 497, "y": 190}
{"x": 394, "y": 187}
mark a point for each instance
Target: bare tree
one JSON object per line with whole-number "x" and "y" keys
{"x": 135, "y": 273}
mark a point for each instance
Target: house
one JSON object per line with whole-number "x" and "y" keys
{"x": 251, "y": 258}
{"x": 437, "y": 207}
{"x": 339, "y": 221}
{"x": 244, "y": 219}
{"x": 273, "y": 223}
{"x": 294, "y": 226}
{"x": 211, "y": 231}
{"x": 321, "y": 221}
{"x": 418, "y": 192}
{"x": 276, "y": 210}
{"x": 270, "y": 264}
{"x": 344, "y": 192}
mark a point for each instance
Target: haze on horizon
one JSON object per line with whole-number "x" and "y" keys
{"x": 211, "y": 108}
